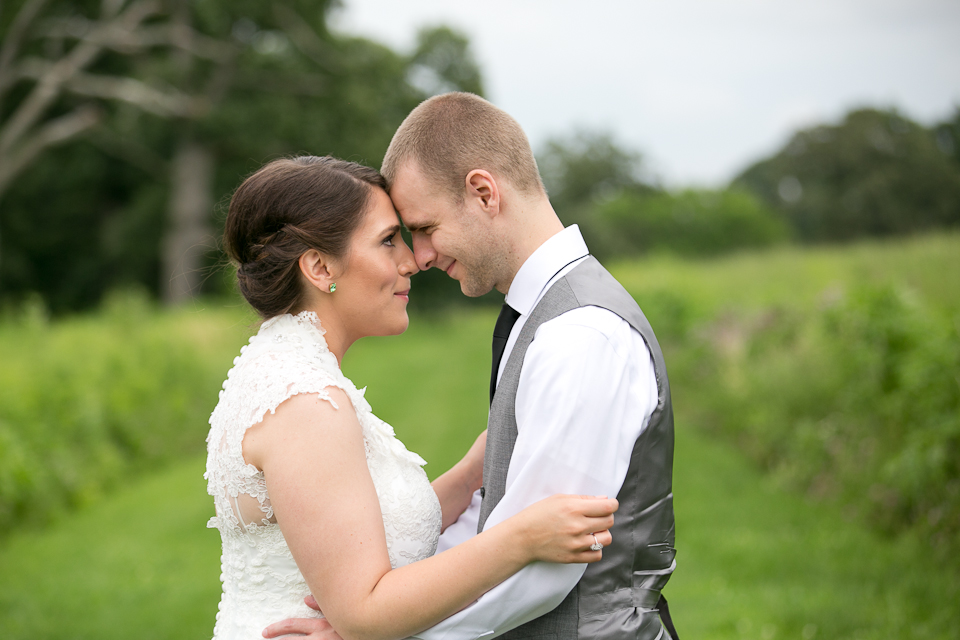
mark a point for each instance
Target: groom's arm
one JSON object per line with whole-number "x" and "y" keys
{"x": 587, "y": 389}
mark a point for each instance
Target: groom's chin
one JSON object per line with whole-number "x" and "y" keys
{"x": 474, "y": 289}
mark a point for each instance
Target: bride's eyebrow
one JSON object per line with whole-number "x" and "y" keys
{"x": 390, "y": 231}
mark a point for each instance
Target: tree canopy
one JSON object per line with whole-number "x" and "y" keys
{"x": 595, "y": 181}
{"x": 876, "y": 173}
{"x": 167, "y": 115}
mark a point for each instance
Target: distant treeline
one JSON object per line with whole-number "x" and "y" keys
{"x": 874, "y": 174}
{"x": 125, "y": 126}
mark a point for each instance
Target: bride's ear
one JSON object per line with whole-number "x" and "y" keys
{"x": 316, "y": 269}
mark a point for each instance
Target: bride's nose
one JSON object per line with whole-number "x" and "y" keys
{"x": 408, "y": 263}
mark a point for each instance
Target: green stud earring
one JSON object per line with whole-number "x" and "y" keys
{"x": 333, "y": 287}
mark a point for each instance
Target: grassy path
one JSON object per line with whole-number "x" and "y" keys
{"x": 753, "y": 563}
{"x": 140, "y": 564}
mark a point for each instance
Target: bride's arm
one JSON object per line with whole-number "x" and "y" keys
{"x": 313, "y": 459}
{"x": 456, "y": 487}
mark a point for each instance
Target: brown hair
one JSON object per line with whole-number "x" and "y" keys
{"x": 452, "y": 134}
{"x": 282, "y": 210}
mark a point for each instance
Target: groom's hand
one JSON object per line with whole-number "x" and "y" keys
{"x": 316, "y": 628}
{"x": 311, "y": 602}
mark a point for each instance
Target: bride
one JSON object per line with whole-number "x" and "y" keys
{"x": 313, "y": 493}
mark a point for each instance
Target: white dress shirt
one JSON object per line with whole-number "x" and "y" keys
{"x": 587, "y": 390}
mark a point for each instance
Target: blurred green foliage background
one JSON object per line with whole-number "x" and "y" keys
{"x": 809, "y": 312}
{"x": 815, "y": 481}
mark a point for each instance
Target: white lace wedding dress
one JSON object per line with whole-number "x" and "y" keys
{"x": 261, "y": 582}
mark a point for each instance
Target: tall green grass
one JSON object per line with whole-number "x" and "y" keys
{"x": 857, "y": 402}
{"x": 799, "y": 276}
{"x": 88, "y": 402}
{"x": 837, "y": 369}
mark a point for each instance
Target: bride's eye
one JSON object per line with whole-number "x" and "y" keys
{"x": 389, "y": 240}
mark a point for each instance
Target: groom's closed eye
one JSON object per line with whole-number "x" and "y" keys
{"x": 425, "y": 230}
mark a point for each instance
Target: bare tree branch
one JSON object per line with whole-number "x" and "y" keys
{"x": 183, "y": 37}
{"x": 137, "y": 93}
{"x": 305, "y": 39}
{"x": 53, "y": 132}
{"x": 177, "y": 36}
{"x": 110, "y": 8}
{"x": 11, "y": 41}
{"x": 162, "y": 103}
{"x": 49, "y": 87}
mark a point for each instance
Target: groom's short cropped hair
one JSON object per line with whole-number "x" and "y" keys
{"x": 450, "y": 135}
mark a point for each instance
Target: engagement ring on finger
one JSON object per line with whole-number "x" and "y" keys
{"x": 596, "y": 546}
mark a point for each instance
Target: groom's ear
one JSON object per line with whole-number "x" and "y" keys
{"x": 482, "y": 188}
{"x": 315, "y": 268}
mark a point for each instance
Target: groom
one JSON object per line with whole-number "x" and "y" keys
{"x": 580, "y": 402}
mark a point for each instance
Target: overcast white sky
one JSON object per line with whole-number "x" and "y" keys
{"x": 701, "y": 87}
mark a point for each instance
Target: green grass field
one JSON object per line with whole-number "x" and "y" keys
{"x": 755, "y": 560}
{"x": 802, "y": 276}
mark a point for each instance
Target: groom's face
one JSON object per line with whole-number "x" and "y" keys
{"x": 445, "y": 233}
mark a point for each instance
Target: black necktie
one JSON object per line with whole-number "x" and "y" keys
{"x": 508, "y": 318}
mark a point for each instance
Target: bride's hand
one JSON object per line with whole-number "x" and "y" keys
{"x": 561, "y": 528}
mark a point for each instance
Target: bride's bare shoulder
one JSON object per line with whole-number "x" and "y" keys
{"x": 302, "y": 420}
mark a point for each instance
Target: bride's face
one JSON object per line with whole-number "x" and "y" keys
{"x": 373, "y": 288}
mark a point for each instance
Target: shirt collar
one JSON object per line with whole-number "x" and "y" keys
{"x": 544, "y": 263}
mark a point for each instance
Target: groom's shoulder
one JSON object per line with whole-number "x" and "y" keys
{"x": 587, "y": 321}
{"x": 582, "y": 337}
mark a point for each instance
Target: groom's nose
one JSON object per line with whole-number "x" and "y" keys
{"x": 423, "y": 251}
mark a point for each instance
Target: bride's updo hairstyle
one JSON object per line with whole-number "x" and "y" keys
{"x": 283, "y": 210}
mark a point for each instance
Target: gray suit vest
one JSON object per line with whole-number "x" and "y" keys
{"x": 617, "y": 596}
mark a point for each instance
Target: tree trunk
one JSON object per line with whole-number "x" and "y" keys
{"x": 189, "y": 236}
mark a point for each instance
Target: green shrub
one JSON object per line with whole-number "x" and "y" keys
{"x": 858, "y": 400}
{"x": 691, "y": 222}
{"x": 88, "y": 402}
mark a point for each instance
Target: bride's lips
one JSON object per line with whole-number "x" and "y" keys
{"x": 403, "y": 294}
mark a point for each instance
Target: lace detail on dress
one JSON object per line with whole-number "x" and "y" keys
{"x": 261, "y": 582}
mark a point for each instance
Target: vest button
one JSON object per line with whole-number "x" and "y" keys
{"x": 482, "y": 492}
